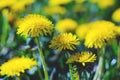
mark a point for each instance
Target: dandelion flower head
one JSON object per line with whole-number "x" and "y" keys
{"x": 103, "y": 4}
{"x": 34, "y": 25}
{"x": 100, "y": 33}
{"x": 118, "y": 30}
{"x": 58, "y": 2}
{"x": 16, "y": 66}
{"x": 6, "y": 3}
{"x": 51, "y": 10}
{"x": 15, "y": 5}
{"x": 82, "y": 30}
{"x": 116, "y": 15}
{"x": 83, "y": 57}
{"x": 20, "y": 5}
{"x": 64, "y": 41}
{"x": 66, "y": 25}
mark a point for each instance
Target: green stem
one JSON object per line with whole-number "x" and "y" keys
{"x": 99, "y": 71}
{"x": 70, "y": 69}
{"x": 39, "y": 70}
{"x": 39, "y": 73}
{"x": 42, "y": 59}
{"x": 85, "y": 75}
{"x": 70, "y": 66}
{"x": 5, "y": 28}
{"x": 118, "y": 57}
{"x": 73, "y": 70}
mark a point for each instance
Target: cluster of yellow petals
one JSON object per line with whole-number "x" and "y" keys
{"x": 82, "y": 30}
{"x": 59, "y": 2}
{"x": 83, "y": 57}
{"x": 65, "y": 41}
{"x": 100, "y": 33}
{"x": 17, "y": 65}
{"x": 34, "y": 25}
{"x": 116, "y": 15}
{"x": 15, "y": 5}
{"x": 97, "y": 34}
{"x": 21, "y": 4}
{"x": 103, "y": 3}
{"x": 6, "y": 3}
{"x": 66, "y": 25}
{"x": 51, "y": 10}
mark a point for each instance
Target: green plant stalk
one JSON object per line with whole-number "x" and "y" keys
{"x": 39, "y": 70}
{"x": 39, "y": 73}
{"x": 99, "y": 72}
{"x": 42, "y": 59}
{"x": 118, "y": 57}
{"x": 85, "y": 75}
{"x": 73, "y": 73}
{"x": 70, "y": 70}
{"x": 5, "y": 29}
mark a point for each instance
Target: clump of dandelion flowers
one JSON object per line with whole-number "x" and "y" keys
{"x": 15, "y": 5}
{"x": 116, "y": 15}
{"x": 6, "y": 3}
{"x": 66, "y": 25}
{"x": 100, "y": 33}
{"x": 20, "y": 5}
{"x": 103, "y": 4}
{"x": 82, "y": 30}
{"x": 83, "y": 57}
{"x": 16, "y": 66}
{"x": 64, "y": 41}
{"x": 34, "y": 25}
{"x": 59, "y": 2}
{"x": 51, "y": 10}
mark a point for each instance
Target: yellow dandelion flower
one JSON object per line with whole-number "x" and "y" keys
{"x": 50, "y": 10}
{"x": 16, "y": 66}
{"x": 6, "y": 3}
{"x": 100, "y": 32}
{"x": 15, "y": 5}
{"x": 118, "y": 30}
{"x": 83, "y": 57}
{"x": 66, "y": 25}
{"x": 34, "y": 26}
{"x": 103, "y": 3}
{"x": 58, "y": 2}
{"x": 20, "y": 5}
{"x": 64, "y": 41}
{"x": 82, "y": 30}
{"x": 116, "y": 15}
